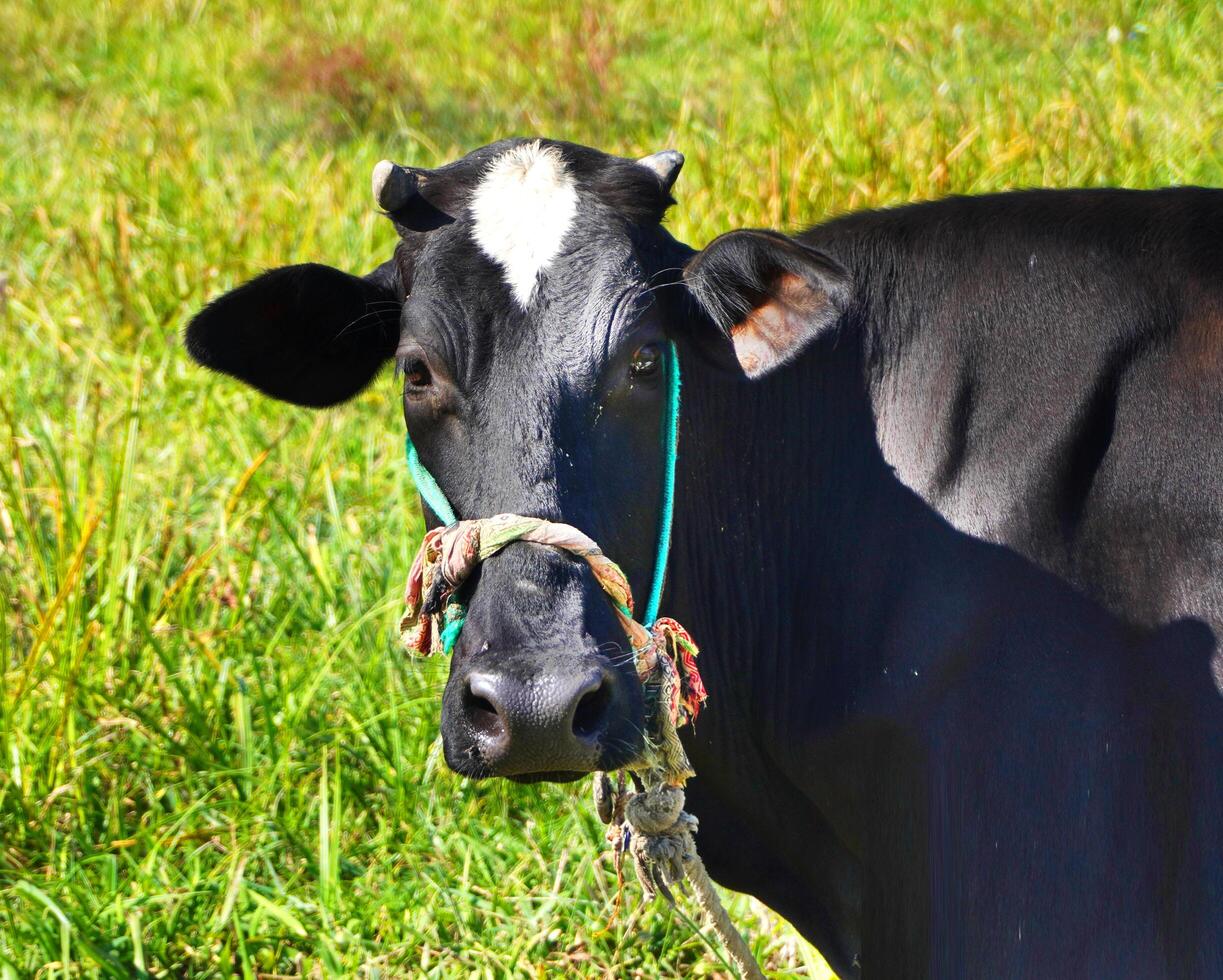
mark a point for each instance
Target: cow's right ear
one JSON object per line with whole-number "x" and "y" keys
{"x": 768, "y": 296}
{"x": 307, "y": 334}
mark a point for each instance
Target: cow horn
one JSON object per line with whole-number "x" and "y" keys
{"x": 393, "y": 185}
{"x": 666, "y": 166}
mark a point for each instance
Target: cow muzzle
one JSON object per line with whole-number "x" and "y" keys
{"x": 539, "y": 716}
{"x": 542, "y": 684}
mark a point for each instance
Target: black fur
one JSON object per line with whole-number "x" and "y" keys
{"x": 306, "y": 334}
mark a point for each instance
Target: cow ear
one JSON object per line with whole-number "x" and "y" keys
{"x": 767, "y": 294}
{"x": 307, "y": 334}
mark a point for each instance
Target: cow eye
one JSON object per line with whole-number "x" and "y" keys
{"x": 646, "y": 360}
{"x": 415, "y": 373}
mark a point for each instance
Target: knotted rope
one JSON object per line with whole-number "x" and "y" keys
{"x": 657, "y": 833}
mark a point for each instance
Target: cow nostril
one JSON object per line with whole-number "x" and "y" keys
{"x": 590, "y": 716}
{"x": 482, "y": 714}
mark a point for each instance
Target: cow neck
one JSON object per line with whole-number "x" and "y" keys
{"x": 436, "y": 499}
{"x": 811, "y": 531}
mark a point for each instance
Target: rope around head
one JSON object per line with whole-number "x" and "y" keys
{"x": 665, "y": 655}
{"x": 650, "y": 825}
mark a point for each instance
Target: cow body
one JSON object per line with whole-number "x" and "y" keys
{"x": 976, "y": 770}
{"x": 1046, "y": 370}
{"x": 924, "y": 453}
{"x": 911, "y": 726}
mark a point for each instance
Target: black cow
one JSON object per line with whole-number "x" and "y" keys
{"x": 928, "y": 752}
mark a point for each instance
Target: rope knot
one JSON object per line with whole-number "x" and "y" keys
{"x": 653, "y": 828}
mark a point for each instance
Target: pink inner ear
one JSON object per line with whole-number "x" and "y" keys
{"x": 776, "y": 330}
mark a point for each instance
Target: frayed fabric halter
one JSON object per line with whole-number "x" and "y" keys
{"x": 664, "y": 652}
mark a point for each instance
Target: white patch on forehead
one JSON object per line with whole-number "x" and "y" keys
{"x": 521, "y": 211}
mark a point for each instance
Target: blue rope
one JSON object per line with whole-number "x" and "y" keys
{"x": 427, "y": 487}
{"x": 670, "y": 449}
{"x": 456, "y": 617}
{"x": 436, "y": 500}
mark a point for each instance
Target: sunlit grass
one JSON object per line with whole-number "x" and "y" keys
{"x": 214, "y": 759}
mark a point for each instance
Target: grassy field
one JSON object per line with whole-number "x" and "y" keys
{"x": 214, "y": 759}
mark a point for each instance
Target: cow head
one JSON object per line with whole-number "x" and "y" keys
{"x": 527, "y": 307}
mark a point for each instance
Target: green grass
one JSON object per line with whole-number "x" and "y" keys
{"x": 214, "y": 759}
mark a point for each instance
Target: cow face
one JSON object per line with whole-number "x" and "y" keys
{"x": 528, "y": 313}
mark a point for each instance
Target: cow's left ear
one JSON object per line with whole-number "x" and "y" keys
{"x": 768, "y": 294}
